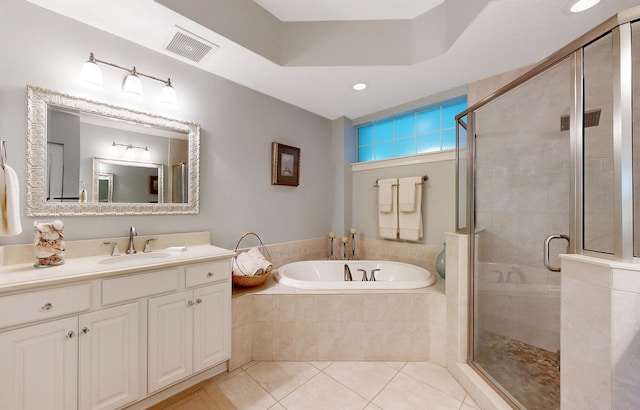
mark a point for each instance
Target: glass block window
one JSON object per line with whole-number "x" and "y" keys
{"x": 427, "y": 129}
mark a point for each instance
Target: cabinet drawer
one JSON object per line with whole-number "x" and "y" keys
{"x": 139, "y": 285}
{"x": 208, "y": 272}
{"x": 45, "y": 304}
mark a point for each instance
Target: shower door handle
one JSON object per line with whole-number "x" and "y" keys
{"x": 546, "y": 250}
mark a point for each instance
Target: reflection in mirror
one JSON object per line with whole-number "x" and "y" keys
{"x": 105, "y": 187}
{"x": 66, "y": 133}
{"x": 130, "y": 181}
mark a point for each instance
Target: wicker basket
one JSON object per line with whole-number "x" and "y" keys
{"x": 251, "y": 280}
{"x": 248, "y": 281}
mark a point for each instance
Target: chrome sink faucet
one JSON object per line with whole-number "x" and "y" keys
{"x": 131, "y": 248}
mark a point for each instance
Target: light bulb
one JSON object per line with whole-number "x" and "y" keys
{"x": 146, "y": 154}
{"x": 168, "y": 95}
{"x": 113, "y": 149}
{"x": 91, "y": 75}
{"x": 130, "y": 152}
{"x": 132, "y": 85}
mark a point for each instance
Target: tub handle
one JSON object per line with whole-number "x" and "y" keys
{"x": 546, "y": 250}
{"x": 373, "y": 275}
{"x": 364, "y": 275}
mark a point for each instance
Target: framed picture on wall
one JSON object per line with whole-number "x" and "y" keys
{"x": 153, "y": 184}
{"x": 285, "y": 165}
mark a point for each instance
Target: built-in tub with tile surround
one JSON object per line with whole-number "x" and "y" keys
{"x": 329, "y": 275}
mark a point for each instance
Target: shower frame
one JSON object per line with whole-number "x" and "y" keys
{"x": 619, "y": 26}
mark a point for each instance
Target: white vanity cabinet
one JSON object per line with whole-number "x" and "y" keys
{"x": 189, "y": 331}
{"x": 109, "y": 342}
{"x": 38, "y": 366}
{"x": 89, "y": 361}
{"x": 109, "y": 359}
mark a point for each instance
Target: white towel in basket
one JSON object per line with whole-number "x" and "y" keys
{"x": 251, "y": 263}
{"x": 260, "y": 260}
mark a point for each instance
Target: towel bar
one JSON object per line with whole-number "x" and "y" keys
{"x": 424, "y": 178}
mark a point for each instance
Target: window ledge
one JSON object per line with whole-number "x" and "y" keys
{"x": 448, "y": 155}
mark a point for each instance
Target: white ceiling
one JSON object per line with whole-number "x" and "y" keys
{"x": 293, "y": 51}
{"x": 328, "y": 10}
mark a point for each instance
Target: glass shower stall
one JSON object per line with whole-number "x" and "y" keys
{"x": 546, "y": 166}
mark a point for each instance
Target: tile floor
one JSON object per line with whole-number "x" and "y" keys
{"x": 343, "y": 385}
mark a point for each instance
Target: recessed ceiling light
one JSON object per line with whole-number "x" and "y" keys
{"x": 359, "y": 86}
{"x": 576, "y": 6}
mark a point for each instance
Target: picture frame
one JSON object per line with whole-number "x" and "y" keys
{"x": 153, "y": 184}
{"x": 285, "y": 165}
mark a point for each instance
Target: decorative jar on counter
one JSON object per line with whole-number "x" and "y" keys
{"x": 48, "y": 243}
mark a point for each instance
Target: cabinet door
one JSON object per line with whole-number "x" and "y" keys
{"x": 39, "y": 366}
{"x": 109, "y": 357}
{"x": 212, "y": 325}
{"x": 170, "y": 339}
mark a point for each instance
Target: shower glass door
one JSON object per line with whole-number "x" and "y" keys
{"x": 522, "y": 191}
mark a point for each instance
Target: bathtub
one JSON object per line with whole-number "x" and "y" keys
{"x": 329, "y": 275}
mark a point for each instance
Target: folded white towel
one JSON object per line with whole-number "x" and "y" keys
{"x": 385, "y": 194}
{"x": 251, "y": 263}
{"x": 260, "y": 260}
{"x": 407, "y": 188}
{"x": 9, "y": 202}
{"x": 388, "y": 221}
{"x": 244, "y": 265}
{"x": 410, "y": 223}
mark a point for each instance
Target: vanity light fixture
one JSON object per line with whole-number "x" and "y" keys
{"x": 146, "y": 154}
{"x": 132, "y": 86}
{"x": 576, "y": 6}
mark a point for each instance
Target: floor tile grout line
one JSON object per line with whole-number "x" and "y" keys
{"x": 435, "y": 388}
{"x": 347, "y": 387}
{"x": 296, "y": 389}
{"x": 385, "y": 386}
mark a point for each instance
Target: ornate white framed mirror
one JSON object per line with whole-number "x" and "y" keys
{"x": 93, "y": 139}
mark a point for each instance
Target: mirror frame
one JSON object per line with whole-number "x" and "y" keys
{"x": 38, "y": 99}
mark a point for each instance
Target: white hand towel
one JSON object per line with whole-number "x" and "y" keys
{"x": 259, "y": 259}
{"x": 407, "y": 188}
{"x": 388, "y": 221}
{"x": 244, "y": 265}
{"x": 385, "y": 194}
{"x": 10, "y": 203}
{"x": 410, "y": 223}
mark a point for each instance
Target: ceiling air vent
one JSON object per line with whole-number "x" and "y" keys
{"x": 590, "y": 119}
{"x": 188, "y": 45}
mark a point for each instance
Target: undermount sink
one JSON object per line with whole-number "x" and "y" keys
{"x": 136, "y": 259}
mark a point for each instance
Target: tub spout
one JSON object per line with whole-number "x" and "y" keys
{"x": 364, "y": 275}
{"x": 347, "y": 273}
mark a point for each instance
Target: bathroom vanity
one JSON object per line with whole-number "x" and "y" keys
{"x": 107, "y": 331}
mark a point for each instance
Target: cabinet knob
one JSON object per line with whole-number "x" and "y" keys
{"x": 70, "y": 335}
{"x": 198, "y": 301}
{"x": 85, "y": 330}
{"x": 190, "y": 303}
{"x": 47, "y": 306}
{"x": 210, "y": 274}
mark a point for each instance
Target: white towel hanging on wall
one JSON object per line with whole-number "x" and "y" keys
{"x": 388, "y": 208}
{"x": 9, "y": 197}
{"x": 410, "y": 208}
